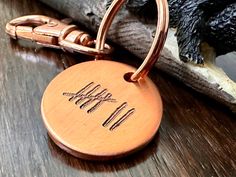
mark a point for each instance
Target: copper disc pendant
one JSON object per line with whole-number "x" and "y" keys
{"x": 102, "y": 110}
{"x": 101, "y": 116}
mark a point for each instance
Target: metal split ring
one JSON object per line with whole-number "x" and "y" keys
{"x": 158, "y": 42}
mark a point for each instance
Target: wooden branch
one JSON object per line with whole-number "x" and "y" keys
{"x": 136, "y": 35}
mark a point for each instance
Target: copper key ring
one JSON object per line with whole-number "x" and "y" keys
{"x": 158, "y": 42}
{"x": 53, "y": 33}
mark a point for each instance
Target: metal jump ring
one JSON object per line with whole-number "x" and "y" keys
{"x": 87, "y": 50}
{"x": 158, "y": 42}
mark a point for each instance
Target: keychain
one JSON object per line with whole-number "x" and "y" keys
{"x": 101, "y": 110}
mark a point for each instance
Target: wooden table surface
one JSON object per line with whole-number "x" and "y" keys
{"x": 197, "y": 136}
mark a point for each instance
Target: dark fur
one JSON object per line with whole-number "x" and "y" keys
{"x": 213, "y": 21}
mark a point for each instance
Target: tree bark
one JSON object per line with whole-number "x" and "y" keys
{"x": 136, "y": 35}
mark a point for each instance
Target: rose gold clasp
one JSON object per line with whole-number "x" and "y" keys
{"x": 53, "y": 33}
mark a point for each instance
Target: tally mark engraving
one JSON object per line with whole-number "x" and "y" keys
{"x": 116, "y": 113}
{"x": 92, "y": 95}
{"x": 86, "y": 96}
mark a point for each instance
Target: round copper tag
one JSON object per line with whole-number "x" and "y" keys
{"x": 92, "y": 112}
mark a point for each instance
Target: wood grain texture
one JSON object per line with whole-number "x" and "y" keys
{"x": 196, "y": 138}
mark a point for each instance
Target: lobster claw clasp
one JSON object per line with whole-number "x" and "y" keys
{"x": 41, "y": 29}
{"x": 54, "y": 33}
